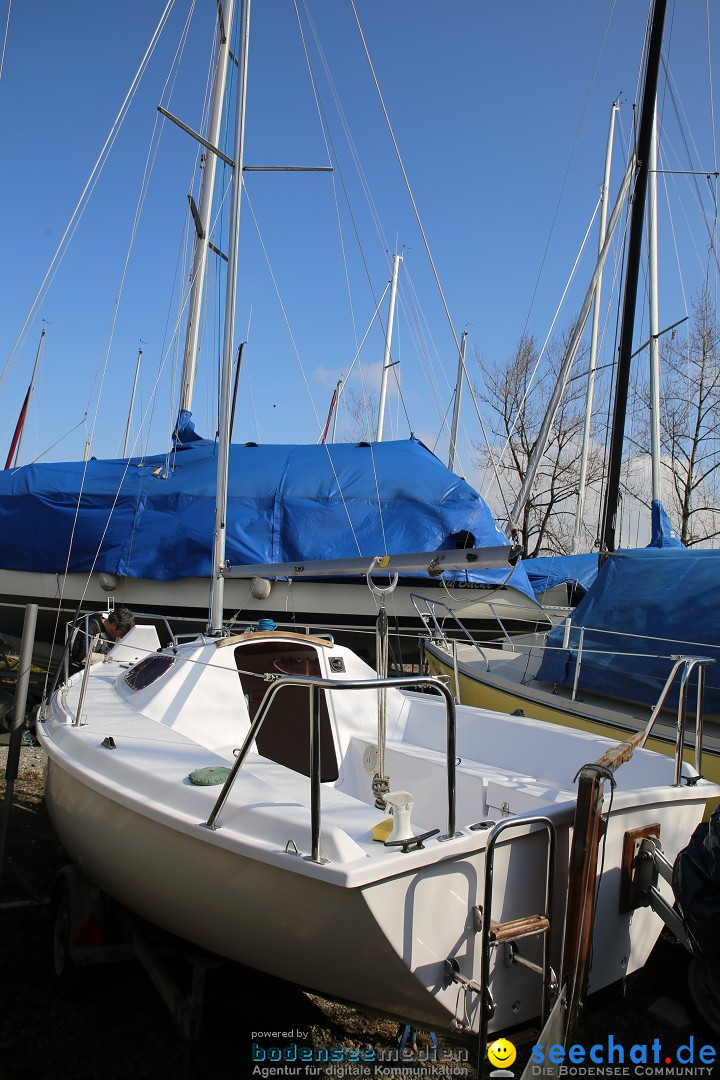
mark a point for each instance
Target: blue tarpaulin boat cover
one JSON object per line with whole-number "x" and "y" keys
{"x": 154, "y": 517}
{"x": 663, "y": 533}
{"x": 580, "y": 569}
{"x": 547, "y": 570}
{"x": 645, "y": 606}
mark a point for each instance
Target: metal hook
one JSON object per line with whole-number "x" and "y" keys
{"x": 379, "y": 562}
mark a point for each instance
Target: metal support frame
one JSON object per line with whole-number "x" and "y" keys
{"x": 13, "y": 758}
{"x": 649, "y": 864}
{"x": 135, "y": 938}
{"x": 186, "y": 1007}
{"x": 501, "y": 624}
{"x": 315, "y": 771}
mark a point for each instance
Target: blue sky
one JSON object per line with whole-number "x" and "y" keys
{"x": 500, "y": 112}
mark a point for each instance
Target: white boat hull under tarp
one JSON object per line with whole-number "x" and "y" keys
{"x": 336, "y": 605}
{"x": 142, "y": 530}
{"x": 363, "y": 922}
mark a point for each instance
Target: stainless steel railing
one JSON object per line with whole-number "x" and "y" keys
{"x": 315, "y": 683}
{"x": 429, "y": 619}
{"x": 688, "y": 664}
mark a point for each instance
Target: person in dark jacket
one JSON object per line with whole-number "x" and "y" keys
{"x": 696, "y": 884}
{"x": 108, "y": 627}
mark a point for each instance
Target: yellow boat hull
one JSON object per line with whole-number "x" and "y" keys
{"x": 503, "y": 696}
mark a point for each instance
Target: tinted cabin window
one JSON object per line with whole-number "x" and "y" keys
{"x": 285, "y": 734}
{"x": 148, "y": 671}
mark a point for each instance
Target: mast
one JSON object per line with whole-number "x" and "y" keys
{"x": 594, "y": 338}
{"x": 612, "y": 493}
{"x": 20, "y": 426}
{"x": 397, "y": 259}
{"x": 542, "y": 438}
{"x": 338, "y": 392}
{"x": 653, "y": 315}
{"x": 332, "y": 413}
{"x": 132, "y": 402}
{"x": 217, "y": 592}
{"x": 201, "y": 214}
{"x": 456, "y": 407}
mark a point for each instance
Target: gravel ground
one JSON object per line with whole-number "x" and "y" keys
{"x": 118, "y": 1026}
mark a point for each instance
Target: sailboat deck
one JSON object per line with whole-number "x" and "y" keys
{"x": 483, "y": 791}
{"x": 268, "y": 808}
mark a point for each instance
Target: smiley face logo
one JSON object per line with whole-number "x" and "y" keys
{"x": 501, "y": 1053}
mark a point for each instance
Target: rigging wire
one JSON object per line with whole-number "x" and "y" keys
{"x": 90, "y": 183}
{"x": 126, "y": 467}
{"x": 335, "y": 158}
{"x": 567, "y": 170}
{"x": 149, "y": 165}
{"x": 376, "y": 218}
{"x": 541, "y": 353}
{"x": 365, "y": 336}
{"x": 70, "y": 431}
{"x": 331, "y": 156}
{"x": 5, "y": 38}
{"x": 372, "y": 207}
{"x": 283, "y": 309}
{"x": 150, "y": 161}
{"x": 385, "y": 244}
{"x": 712, "y": 231}
{"x": 415, "y": 208}
{"x": 419, "y": 329}
{"x": 297, "y": 354}
{"x": 405, "y": 175}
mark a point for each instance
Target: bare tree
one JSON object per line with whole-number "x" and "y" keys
{"x": 689, "y": 418}
{"x": 361, "y": 412}
{"x": 516, "y": 413}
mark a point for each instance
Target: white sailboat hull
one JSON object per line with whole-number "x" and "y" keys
{"x": 295, "y": 927}
{"x": 381, "y": 946}
{"x": 329, "y": 603}
{"x": 364, "y": 923}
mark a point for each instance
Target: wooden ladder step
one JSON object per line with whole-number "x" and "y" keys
{"x": 519, "y": 928}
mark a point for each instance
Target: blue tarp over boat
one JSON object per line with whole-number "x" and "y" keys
{"x": 581, "y": 569}
{"x": 545, "y": 571}
{"x": 645, "y": 606}
{"x": 663, "y": 534}
{"x": 154, "y": 517}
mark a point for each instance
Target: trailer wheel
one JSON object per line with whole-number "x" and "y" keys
{"x": 79, "y": 929}
{"x": 65, "y": 971}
